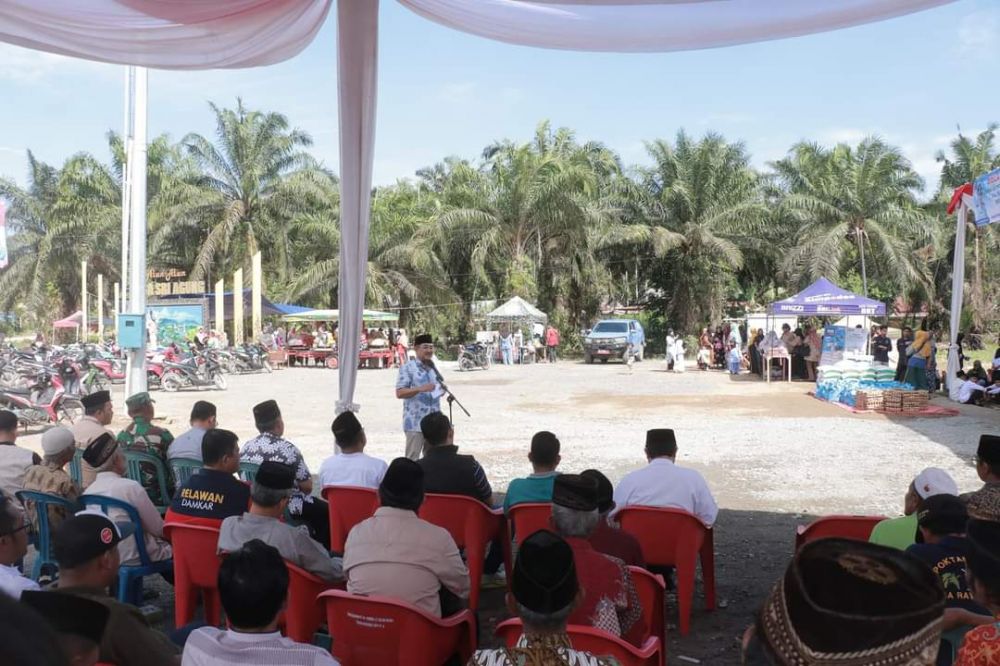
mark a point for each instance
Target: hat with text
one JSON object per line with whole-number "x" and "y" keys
{"x": 85, "y": 536}
{"x": 100, "y": 449}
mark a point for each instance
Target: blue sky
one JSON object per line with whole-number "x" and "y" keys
{"x": 912, "y": 80}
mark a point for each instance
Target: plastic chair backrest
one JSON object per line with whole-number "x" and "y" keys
{"x": 596, "y": 642}
{"x": 43, "y": 537}
{"x": 196, "y": 566}
{"x": 183, "y": 468}
{"x": 471, "y": 524}
{"x": 76, "y": 467}
{"x": 248, "y": 471}
{"x": 527, "y": 518}
{"x": 303, "y": 611}
{"x": 651, "y": 590}
{"x": 109, "y": 504}
{"x": 858, "y": 528}
{"x": 388, "y": 632}
{"x": 349, "y": 505}
{"x": 136, "y": 459}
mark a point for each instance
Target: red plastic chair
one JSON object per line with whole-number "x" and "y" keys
{"x": 597, "y": 642}
{"x": 196, "y": 569}
{"x": 673, "y": 537}
{"x": 525, "y": 519}
{"x": 652, "y": 591}
{"x": 383, "y": 631}
{"x": 349, "y": 505}
{"x": 471, "y": 524}
{"x": 303, "y": 614}
{"x": 858, "y": 528}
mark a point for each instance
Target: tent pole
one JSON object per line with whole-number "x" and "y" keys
{"x": 136, "y": 369}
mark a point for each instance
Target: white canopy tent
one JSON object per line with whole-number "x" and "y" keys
{"x": 517, "y": 310}
{"x": 194, "y": 34}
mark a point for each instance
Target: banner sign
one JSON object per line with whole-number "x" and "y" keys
{"x": 986, "y": 198}
{"x": 834, "y": 343}
{"x": 3, "y": 237}
{"x": 165, "y": 283}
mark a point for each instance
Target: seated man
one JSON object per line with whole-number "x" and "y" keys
{"x": 86, "y": 548}
{"x": 141, "y": 435}
{"x": 447, "y": 471}
{"x": 970, "y": 392}
{"x": 50, "y": 477}
{"x": 13, "y": 546}
{"x": 902, "y": 532}
{"x": 351, "y": 467}
{"x": 942, "y": 521}
{"x": 14, "y": 460}
{"x": 544, "y": 593}
{"x": 269, "y": 497}
{"x": 270, "y": 445}
{"x": 610, "y": 600}
{"x": 857, "y": 601}
{"x": 253, "y": 586}
{"x": 984, "y": 504}
{"x": 981, "y": 645}
{"x": 98, "y": 412}
{"x": 188, "y": 444}
{"x": 396, "y": 554}
{"x": 212, "y": 493}
{"x": 607, "y": 538}
{"x": 108, "y": 460}
{"x": 662, "y": 483}
{"x": 79, "y": 623}
{"x": 544, "y": 458}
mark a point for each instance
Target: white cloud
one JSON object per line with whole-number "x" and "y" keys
{"x": 978, "y": 35}
{"x": 27, "y": 66}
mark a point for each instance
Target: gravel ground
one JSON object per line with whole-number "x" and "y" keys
{"x": 772, "y": 454}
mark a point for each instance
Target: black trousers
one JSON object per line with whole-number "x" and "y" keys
{"x": 316, "y": 516}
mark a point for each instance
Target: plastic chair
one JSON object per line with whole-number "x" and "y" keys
{"x": 130, "y": 577}
{"x": 673, "y": 537}
{"x": 136, "y": 460}
{"x": 652, "y": 591}
{"x": 527, "y": 518}
{"x": 43, "y": 535}
{"x": 76, "y": 467}
{"x": 595, "y": 641}
{"x": 349, "y": 505}
{"x": 303, "y": 614}
{"x": 858, "y": 528}
{"x": 472, "y": 525}
{"x": 183, "y": 468}
{"x": 196, "y": 569}
{"x": 388, "y": 632}
{"x": 248, "y": 471}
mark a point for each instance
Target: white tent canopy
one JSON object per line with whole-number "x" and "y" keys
{"x": 197, "y": 34}
{"x": 517, "y": 309}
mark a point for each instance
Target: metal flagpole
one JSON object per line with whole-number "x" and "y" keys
{"x": 137, "y": 180}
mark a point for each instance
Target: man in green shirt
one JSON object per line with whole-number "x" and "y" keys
{"x": 901, "y": 532}
{"x": 142, "y": 435}
{"x": 537, "y": 487}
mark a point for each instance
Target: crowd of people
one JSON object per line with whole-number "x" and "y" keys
{"x": 928, "y": 579}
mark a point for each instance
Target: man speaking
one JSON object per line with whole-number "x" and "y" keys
{"x": 417, "y": 387}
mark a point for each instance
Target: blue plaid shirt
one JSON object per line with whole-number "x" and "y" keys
{"x": 413, "y": 374}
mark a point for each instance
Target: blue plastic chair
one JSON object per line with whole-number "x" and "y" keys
{"x": 43, "y": 535}
{"x": 130, "y": 577}
{"x": 248, "y": 471}
{"x": 136, "y": 460}
{"x": 184, "y": 468}
{"x": 76, "y": 467}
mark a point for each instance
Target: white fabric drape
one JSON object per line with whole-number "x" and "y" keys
{"x": 655, "y": 25}
{"x": 957, "y": 289}
{"x": 357, "y": 63}
{"x": 167, "y": 34}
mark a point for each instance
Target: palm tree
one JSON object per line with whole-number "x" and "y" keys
{"x": 706, "y": 204}
{"x": 251, "y": 183}
{"x": 853, "y": 204}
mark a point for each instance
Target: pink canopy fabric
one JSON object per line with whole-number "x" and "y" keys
{"x": 212, "y": 34}
{"x": 72, "y": 321}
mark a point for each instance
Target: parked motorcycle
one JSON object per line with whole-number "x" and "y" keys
{"x": 199, "y": 371}
{"x": 476, "y": 355}
{"x": 44, "y": 402}
{"x": 251, "y": 358}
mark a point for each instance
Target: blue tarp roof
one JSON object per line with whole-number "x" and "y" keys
{"x": 289, "y": 308}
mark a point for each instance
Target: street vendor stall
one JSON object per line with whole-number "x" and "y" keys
{"x": 371, "y": 354}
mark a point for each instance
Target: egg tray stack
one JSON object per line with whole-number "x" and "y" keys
{"x": 870, "y": 400}
{"x": 914, "y": 401}
{"x": 893, "y": 401}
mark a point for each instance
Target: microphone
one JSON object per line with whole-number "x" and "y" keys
{"x": 437, "y": 373}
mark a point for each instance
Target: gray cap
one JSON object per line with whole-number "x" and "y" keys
{"x": 56, "y": 440}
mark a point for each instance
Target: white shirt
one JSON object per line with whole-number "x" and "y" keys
{"x": 111, "y": 485}
{"x": 352, "y": 469}
{"x": 966, "y": 388}
{"x": 210, "y": 646}
{"x": 661, "y": 483}
{"x": 14, "y": 462}
{"x": 13, "y": 583}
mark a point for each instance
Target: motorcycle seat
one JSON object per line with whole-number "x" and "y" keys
{"x": 17, "y": 390}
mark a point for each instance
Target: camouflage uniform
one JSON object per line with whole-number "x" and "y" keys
{"x": 51, "y": 479}
{"x": 143, "y": 436}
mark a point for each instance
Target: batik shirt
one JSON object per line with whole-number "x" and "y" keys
{"x": 143, "y": 436}
{"x": 610, "y": 600}
{"x": 268, "y": 446}
{"x": 980, "y": 647}
{"x": 413, "y": 374}
{"x": 540, "y": 651}
{"x": 51, "y": 479}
